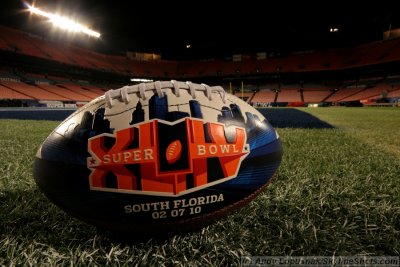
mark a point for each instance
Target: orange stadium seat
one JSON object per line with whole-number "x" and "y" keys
{"x": 343, "y": 93}
{"x": 20, "y": 42}
{"x": 79, "y": 90}
{"x": 32, "y": 91}
{"x": 7, "y": 93}
{"x": 289, "y": 95}
{"x": 68, "y": 94}
{"x": 315, "y": 94}
{"x": 264, "y": 96}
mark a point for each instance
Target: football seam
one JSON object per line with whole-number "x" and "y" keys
{"x": 158, "y": 86}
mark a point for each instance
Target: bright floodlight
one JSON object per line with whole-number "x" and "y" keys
{"x": 63, "y": 22}
{"x": 334, "y": 29}
{"x": 141, "y": 80}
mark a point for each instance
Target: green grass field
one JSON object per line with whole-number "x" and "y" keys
{"x": 337, "y": 192}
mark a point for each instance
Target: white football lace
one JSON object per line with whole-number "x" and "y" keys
{"x": 160, "y": 86}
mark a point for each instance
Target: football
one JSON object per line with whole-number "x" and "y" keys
{"x": 156, "y": 158}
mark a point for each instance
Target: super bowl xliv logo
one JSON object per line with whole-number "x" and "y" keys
{"x": 162, "y": 158}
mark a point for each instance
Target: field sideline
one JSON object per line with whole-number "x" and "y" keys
{"x": 336, "y": 193}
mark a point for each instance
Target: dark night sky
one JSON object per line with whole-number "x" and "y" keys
{"x": 213, "y": 31}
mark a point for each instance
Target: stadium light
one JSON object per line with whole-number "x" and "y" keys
{"x": 63, "y": 22}
{"x": 142, "y": 80}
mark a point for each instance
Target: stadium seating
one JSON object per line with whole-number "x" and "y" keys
{"x": 8, "y": 93}
{"x": 289, "y": 95}
{"x": 315, "y": 94}
{"x": 67, "y": 93}
{"x": 32, "y": 91}
{"x": 395, "y": 93}
{"x": 15, "y": 84}
{"x": 264, "y": 96}
{"x": 331, "y": 59}
{"x": 17, "y": 42}
{"x": 343, "y": 93}
{"x": 365, "y": 94}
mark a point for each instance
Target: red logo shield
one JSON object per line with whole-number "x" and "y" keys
{"x": 162, "y": 158}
